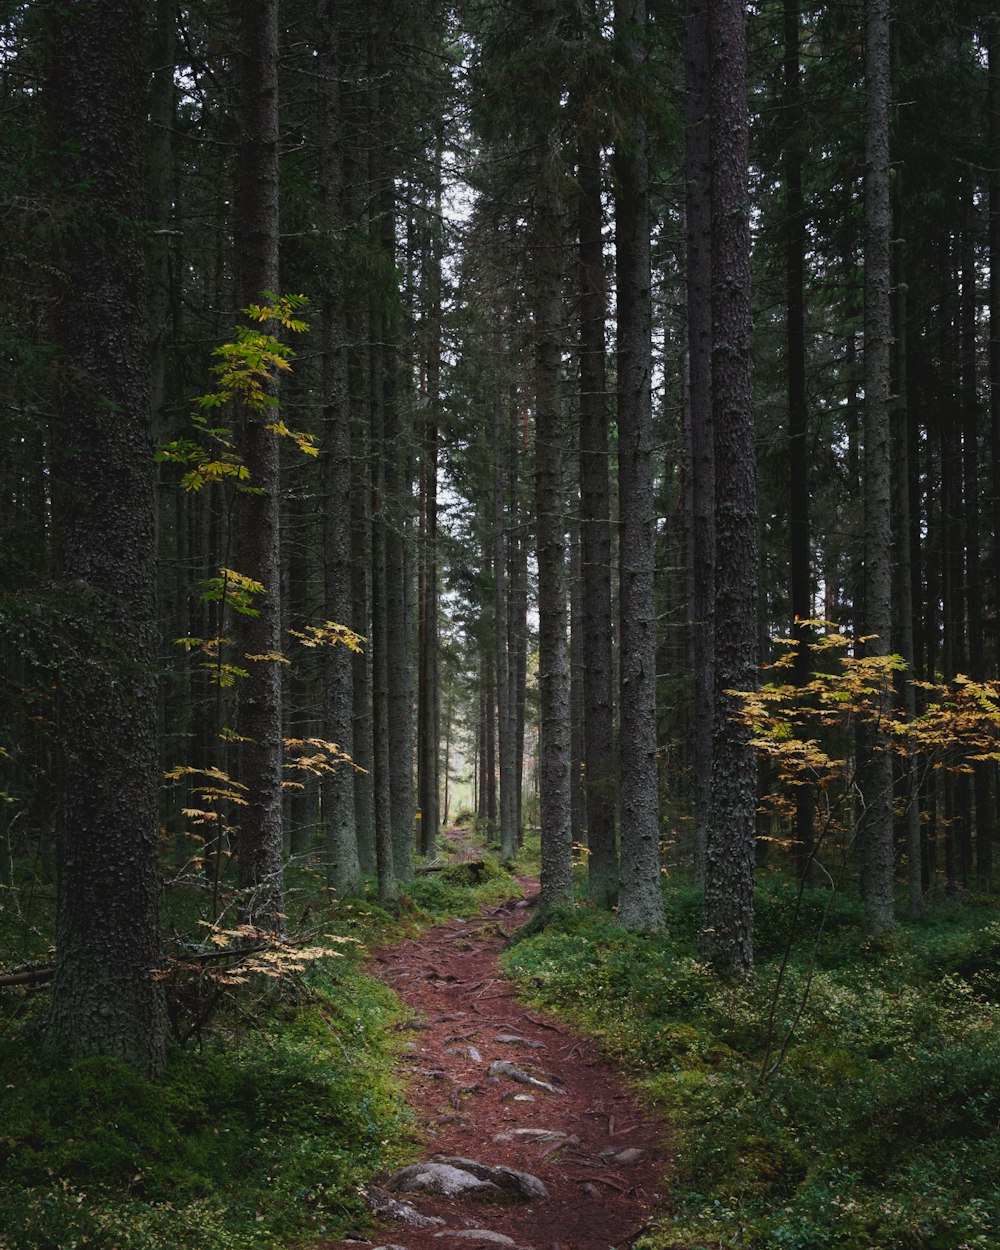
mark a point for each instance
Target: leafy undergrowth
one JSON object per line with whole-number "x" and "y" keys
{"x": 876, "y": 1125}
{"x": 265, "y": 1127}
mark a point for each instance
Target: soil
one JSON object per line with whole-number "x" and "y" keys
{"x": 460, "y": 1006}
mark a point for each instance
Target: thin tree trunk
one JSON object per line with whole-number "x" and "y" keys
{"x": 595, "y": 530}
{"x": 875, "y": 772}
{"x": 343, "y": 866}
{"x": 546, "y": 228}
{"x": 985, "y": 848}
{"x": 698, "y": 184}
{"x": 430, "y": 729}
{"x": 798, "y": 426}
{"x": 402, "y": 799}
{"x": 640, "y": 900}
{"x": 902, "y": 473}
{"x": 501, "y": 635}
{"x": 257, "y": 544}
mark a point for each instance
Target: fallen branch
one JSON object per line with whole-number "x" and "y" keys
{"x": 33, "y": 976}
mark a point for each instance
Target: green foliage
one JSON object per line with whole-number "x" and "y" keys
{"x": 259, "y": 1137}
{"x": 876, "y": 1128}
{"x": 807, "y": 732}
{"x": 244, "y": 374}
{"x": 461, "y": 889}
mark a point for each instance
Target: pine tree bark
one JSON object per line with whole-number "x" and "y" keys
{"x": 402, "y": 801}
{"x": 595, "y": 530}
{"x": 985, "y": 850}
{"x": 798, "y": 425}
{"x": 104, "y": 998}
{"x": 727, "y": 915}
{"x": 875, "y": 770}
{"x": 501, "y": 634}
{"x": 343, "y": 866}
{"x": 257, "y": 513}
{"x": 698, "y": 184}
{"x": 902, "y": 475}
{"x": 640, "y": 899}
{"x": 546, "y": 234}
{"x": 428, "y": 712}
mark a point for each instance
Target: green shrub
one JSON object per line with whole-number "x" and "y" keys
{"x": 865, "y": 1119}
{"x": 260, "y": 1136}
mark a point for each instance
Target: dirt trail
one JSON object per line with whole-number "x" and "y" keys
{"x": 599, "y": 1157}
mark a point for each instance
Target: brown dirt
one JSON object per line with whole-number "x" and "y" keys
{"x": 449, "y": 979}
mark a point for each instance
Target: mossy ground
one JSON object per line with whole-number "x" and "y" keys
{"x": 877, "y": 1129}
{"x": 265, "y": 1126}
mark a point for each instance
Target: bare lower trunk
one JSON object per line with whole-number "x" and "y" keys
{"x": 640, "y": 900}
{"x": 104, "y": 998}
{"x": 257, "y": 517}
{"x": 727, "y": 917}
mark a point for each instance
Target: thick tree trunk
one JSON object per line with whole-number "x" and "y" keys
{"x": 640, "y": 900}
{"x": 875, "y": 772}
{"x": 104, "y": 998}
{"x": 727, "y": 917}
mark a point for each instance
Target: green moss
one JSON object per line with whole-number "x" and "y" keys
{"x": 245, "y": 1143}
{"x": 876, "y": 1126}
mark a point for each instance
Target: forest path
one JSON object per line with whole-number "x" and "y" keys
{"x": 585, "y": 1137}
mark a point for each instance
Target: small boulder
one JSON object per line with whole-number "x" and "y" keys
{"x": 520, "y": 1186}
{"x": 449, "y": 1179}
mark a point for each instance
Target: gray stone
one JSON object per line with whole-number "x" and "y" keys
{"x": 518, "y": 1185}
{"x": 514, "y": 1039}
{"x": 384, "y": 1204}
{"x": 447, "y": 1178}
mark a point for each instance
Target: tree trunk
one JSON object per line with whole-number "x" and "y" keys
{"x": 546, "y": 230}
{"x": 595, "y": 531}
{"x": 428, "y": 704}
{"x": 798, "y": 426}
{"x": 875, "y": 770}
{"x": 640, "y": 900}
{"x": 698, "y": 183}
{"x": 727, "y": 916}
{"x": 257, "y": 546}
{"x": 343, "y": 867}
{"x": 104, "y": 998}
{"x": 501, "y": 633}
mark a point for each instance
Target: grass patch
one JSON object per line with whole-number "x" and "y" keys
{"x": 265, "y": 1126}
{"x": 877, "y": 1129}
{"x": 462, "y": 889}
{"x": 262, "y": 1136}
